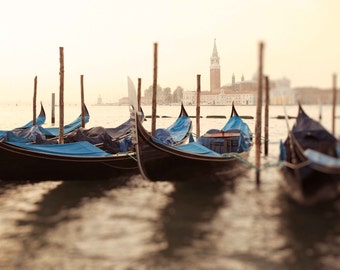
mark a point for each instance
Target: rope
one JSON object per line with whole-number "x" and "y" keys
{"x": 240, "y": 158}
{"x": 296, "y": 166}
{"x": 131, "y": 156}
{"x": 267, "y": 165}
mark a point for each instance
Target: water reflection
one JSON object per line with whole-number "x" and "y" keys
{"x": 312, "y": 234}
{"x": 184, "y": 228}
{"x": 59, "y": 206}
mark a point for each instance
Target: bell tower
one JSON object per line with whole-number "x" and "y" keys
{"x": 215, "y": 71}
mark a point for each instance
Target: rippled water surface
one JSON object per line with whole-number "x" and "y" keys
{"x": 131, "y": 223}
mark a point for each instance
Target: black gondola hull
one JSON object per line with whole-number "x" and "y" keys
{"x": 158, "y": 162}
{"x": 309, "y": 186}
{"x": 306, "y": 181}
{"x": 21, "y": 164}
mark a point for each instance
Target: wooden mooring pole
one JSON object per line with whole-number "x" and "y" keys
{"x": 198, "y": 108}
{"x": 35, "y": 101}
{"x": 320, "y": 109}
{"x": 334, "y": 104}
{"x": 61, "y": 95}
{"x": 259, "y": 116}
{"x": 266, "y": 117}
{"x": 53, "y": 109}
{"x": 139, "y": 94}
{"x": 154, "y": 92}
{"x": 82, "y": 101}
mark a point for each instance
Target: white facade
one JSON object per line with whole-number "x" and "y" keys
{"x": 190, "y": 97}
{"x": 281, "y": 93}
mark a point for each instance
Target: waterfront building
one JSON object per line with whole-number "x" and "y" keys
{"x": 215, "y": 71}
{"x": 281, "y": 93}
{"x": 242, "y": 92}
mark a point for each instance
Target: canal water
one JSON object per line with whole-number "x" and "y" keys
{"x": 131, "y": 223}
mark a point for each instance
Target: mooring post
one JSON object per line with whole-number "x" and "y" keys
{"x": 35, "y": 101}
{"x": 266, "y": 117}
{"x": 53, "y": 109}
{"x": 320, "y": 109}
{"x": 139, "y": 94}
{"x": 334, "y": 104}
{"x": 259, "y": 115}
{"x": 198, "y": 108}
{"x": 61, "y": 96}
{"x": 154, "y": 92}
{"x": 82, "y": 101}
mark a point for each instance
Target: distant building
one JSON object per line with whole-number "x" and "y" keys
{"x": 215, "y": 71}
{"x": 313, "y": 95}
{"x": 99, "y": 100}
{"x": 101, "y": 103}
{"x": 243, "y": 92}
{"x": 281, "y": 93}
{"x": 123, "y": 101}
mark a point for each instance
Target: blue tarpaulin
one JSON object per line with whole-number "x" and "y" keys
{"x": 322, "y": 159}
{"x": 238, "y": 143}
{"x": 176, "y": 132}
{"x": 83, "y": 149}
{"x": 54, "y": 131}
{"x": 197, "y": 148}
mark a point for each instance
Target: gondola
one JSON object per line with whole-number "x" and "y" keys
{"x": 89, "y": 155}
{"x": 37, "y": 133}
{"x": 311, "y": 164}
{"x": 41, "y": 118}
{"x": 158, "y": 161}
{"x": 71, "y": 161}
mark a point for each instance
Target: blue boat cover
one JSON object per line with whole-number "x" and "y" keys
{"x": 196, "y": 148}
{"x": 119, "y": 131}
{"x": 237, "y": 144}
{"x": 176, "y": 132}
{"x": 38, "y": 133}
{"x": 322, "y": 159}
{"x": 191, "y": 147}
{"x": 180, "y": 128}
{"x": 2, "y": 133}
{"x": 39, "y": 121}
{"x": 54, "y": 131}
{"x": 283, "y": 154}
{"x": 81, "y": 149}
{"x": 237, "y": 123}
{"x": 29, "y": 134}
{"x": 164, "y": 135}
{"x": 311, "y": 134}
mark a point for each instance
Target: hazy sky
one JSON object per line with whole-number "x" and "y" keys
{"x": 108, "y": 40}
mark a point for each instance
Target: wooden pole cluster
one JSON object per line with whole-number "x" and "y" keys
{"x": 198, "y": 103}
{"x": 334, "y": 104}
{"x": 35, "y": 101}
{"x": 82, "y": 101}
{"x": 154, "y": 92}
{"x": 61, "y": 95}
{"x": 259, "y": 115}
